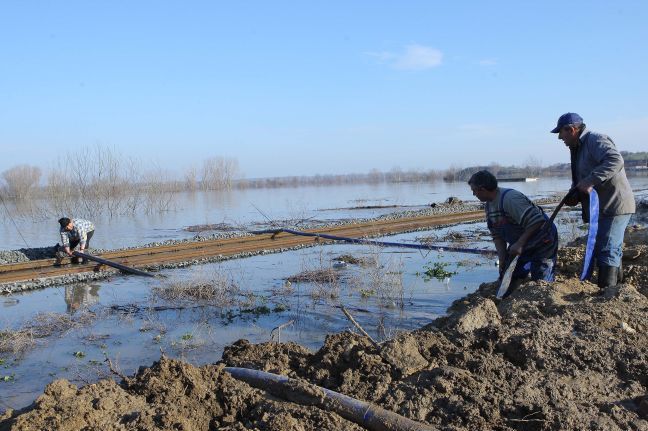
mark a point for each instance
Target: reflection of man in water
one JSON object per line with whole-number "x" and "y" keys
{"x": 82, "y": 295}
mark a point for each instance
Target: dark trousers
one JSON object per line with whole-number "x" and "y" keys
{"x": 75, "y": 242}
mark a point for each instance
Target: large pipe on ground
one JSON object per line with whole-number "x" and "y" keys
{"x": 367, "y": 415}
{"x": 379, "y": 243}
{"x": 113, "y": 264}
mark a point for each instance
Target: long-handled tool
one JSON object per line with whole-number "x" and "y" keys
{"x": 560, "y": 205}
{"x": 113, "y": 264}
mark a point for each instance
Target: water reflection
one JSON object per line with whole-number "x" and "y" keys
{"x": 81, "y": 296}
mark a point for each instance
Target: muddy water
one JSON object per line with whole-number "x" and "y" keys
{"x": 120, "y": 318}
{"x": 131, "y": 326}
{"x": 245, "y": 207}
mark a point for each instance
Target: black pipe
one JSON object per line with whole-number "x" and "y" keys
{"x": 380, "y": 243}
{"x": 113, "y": 264}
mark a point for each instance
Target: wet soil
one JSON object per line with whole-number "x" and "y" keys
{"x": 552, "y": 356}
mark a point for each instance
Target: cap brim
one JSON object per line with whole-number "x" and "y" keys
{"x": 556, "y": 129}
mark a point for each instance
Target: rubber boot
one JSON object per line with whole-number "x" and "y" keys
{"x": 620, "y": 273}
{"x": 607, "y": 276}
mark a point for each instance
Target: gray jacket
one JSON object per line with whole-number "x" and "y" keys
{"x": 597, "y": 160}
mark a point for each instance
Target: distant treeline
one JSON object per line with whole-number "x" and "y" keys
{"x": 635, "y": 164}
{"x": 101, "y": 181}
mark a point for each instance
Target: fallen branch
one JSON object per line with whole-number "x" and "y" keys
{"x": 357, "y": 325}
{"x": 113, "y": 370}
{"x": 279, "y": 328}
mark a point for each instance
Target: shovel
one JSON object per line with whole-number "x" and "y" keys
{"x": 506, "y": 279}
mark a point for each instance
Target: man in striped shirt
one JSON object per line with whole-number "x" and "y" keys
{"x": 518, "y": 228}
{"x": 74, "y": 232}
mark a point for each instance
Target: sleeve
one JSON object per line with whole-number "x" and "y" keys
{"x": 494, "y": 231}
{"x": 65, "y": 240}
{"x": 523, "y": 212}
{"x": 607, "y": 157}
{"x": 83, "y": 237}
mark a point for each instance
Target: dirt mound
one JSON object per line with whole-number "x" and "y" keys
{"x": 171, "y": 395}
{"x": 551, "y": 356}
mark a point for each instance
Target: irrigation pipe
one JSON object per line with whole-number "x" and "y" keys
{"x": 113, "y": 264}
{"x": 378, "y": 243}
{"x": 367, "y": 415}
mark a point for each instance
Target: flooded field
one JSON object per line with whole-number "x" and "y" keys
{"x": 248, "y": 208}
{"x": 193, "y": 313}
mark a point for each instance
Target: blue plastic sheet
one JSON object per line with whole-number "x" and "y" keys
{"x": 591, "y": 236}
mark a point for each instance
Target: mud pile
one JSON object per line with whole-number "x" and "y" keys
{"x": 559, "y": 356}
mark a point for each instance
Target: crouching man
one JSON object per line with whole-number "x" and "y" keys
{"x": 518, "y": 227}
{"x": 74, "y": 232}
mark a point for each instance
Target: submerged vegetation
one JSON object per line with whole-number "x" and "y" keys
{"x": 436, "y": 270}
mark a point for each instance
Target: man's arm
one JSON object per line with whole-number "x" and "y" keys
{"x": 609, "y": 163}
{"x": 65, "y": 242}
{"x": 518, "y": 247}
{"x": 83, "y": 239}
{"x": 500, "y": 246}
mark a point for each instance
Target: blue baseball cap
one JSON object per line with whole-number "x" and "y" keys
{"x": 568, "y": 118}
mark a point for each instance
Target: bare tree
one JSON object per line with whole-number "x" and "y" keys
{"x": 218, "y": 173}
{"x": 533, "y": 166}
{"x": 22, "y": 181}
{"x": 451, "y": 174}
{"x": 191, "y": 179}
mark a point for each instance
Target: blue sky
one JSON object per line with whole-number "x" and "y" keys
{"x": 303, "y": 88}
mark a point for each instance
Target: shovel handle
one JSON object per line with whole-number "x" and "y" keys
{"x": 560, "y": 205}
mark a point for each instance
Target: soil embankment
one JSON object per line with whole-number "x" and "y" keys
{"x": 555, "y": 356}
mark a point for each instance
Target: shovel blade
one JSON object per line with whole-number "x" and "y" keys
{"x": 506, "y": 279}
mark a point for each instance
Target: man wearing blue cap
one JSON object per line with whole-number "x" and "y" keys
{"x": 597, "y": 164}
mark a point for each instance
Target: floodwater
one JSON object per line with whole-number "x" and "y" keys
{"x": 243, "y": 208}
{"x": 132, "y": 326}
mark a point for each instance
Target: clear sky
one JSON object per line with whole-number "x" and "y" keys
{"x": 308, "y": 87}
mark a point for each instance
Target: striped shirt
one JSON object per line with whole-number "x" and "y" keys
{"x": 78, "y": 233}
{"x": 515, "y": 209}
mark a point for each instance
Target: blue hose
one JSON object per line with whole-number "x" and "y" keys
{"x": 591, "y": 236}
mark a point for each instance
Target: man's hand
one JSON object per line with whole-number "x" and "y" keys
{"x": 572, "y": 200}
{"x": 68, "y": 251}
{"x": 585, "y": 186}
{"x": 516, "y": 248}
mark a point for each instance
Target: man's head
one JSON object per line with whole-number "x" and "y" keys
{"x": 569, "y": 128}
{"x": 66, "y": 223}
{"x": 483, "y": 185}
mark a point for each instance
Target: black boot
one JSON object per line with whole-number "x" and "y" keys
{"x": 620, "y": 273}
{"x": 607, "y": 276}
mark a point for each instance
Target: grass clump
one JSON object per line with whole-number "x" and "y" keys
{"x": 437, "y": 270}
{"x": 322, "y": 275}
{"x": 213, "y": 289}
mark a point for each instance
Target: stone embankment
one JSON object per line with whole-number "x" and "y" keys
{"x": 455, "y": 207}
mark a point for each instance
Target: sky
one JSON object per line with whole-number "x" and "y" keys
{"x": 318, "y": 87}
